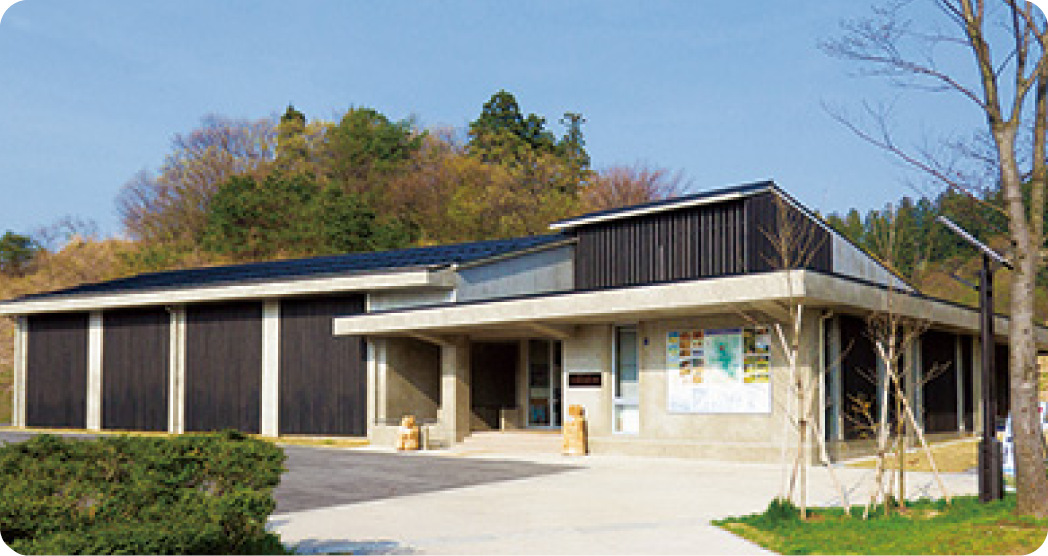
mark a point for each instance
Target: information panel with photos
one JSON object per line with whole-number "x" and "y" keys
{"x": 719, "y": 370}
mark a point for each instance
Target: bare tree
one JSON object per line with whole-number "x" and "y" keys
{"x": 620, "y": 186}
{"x": 1007, "y": 40}
{"x": 170, "y": 205}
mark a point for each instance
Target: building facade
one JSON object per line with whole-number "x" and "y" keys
{"x": 659, "y": 319}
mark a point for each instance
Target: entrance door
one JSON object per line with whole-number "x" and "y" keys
{"x": 544, "y": 384}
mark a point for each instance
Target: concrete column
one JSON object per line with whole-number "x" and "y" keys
{"x": 454, "y": 413}
{"x": 914, "y": 382}
{"x": 977, "y": 413}
{"x": 94, "y": 371}
{"x": 21, "y": 354}
{"x": 523, "y": 395}
{"x": 833, "y": 356}
{"x": 372, "y": 386}
{"x": 177, "y": 371}
{"x": 958, "y": 366}
{"x": 381, "y": 370}
{"x": 270, "y": 394}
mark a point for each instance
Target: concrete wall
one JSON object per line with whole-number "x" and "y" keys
{"x": 384, "y": 301}
{"x": 589, "y": 350}
{"x": 849, "y": 260}
{"x": 747, "y": 437}
{"x": 542, "y": 271}
{"x": 412, "y": 379}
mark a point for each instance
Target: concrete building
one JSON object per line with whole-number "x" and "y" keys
{"x": 657, "y": 318}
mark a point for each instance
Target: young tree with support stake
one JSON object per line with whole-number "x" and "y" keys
{"x": 1007, "y": 40}
{"x": 794, "y": 243}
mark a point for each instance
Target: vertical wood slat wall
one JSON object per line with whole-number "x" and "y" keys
{"x": 938, "y": 354}
{"x": 706, "y": 241}
{"x": 223, "y": 366}
{"x": 56, "y": 383}
{"x": 721, "y": 239}
{"x": 323, "y": 385}
{"x": 135, "y": 366}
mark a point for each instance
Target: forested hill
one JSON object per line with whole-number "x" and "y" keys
{"x": 907, "y": 236}
{"x": 234, "y": 190}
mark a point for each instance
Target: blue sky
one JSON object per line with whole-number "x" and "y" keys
{"x": 728, "y": 92}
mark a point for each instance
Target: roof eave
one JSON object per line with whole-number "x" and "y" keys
{"x": 436, "y": 277}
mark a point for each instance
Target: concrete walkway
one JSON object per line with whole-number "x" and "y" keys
{"x": 604, "y": 505}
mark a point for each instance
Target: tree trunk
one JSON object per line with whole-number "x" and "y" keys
{"x": 1031, "y": 484}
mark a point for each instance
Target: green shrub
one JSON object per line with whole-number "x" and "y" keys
{"x": 191, "y": 494}
{"x": 780, "y": 510}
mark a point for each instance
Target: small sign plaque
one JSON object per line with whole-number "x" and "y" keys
{"x": 584, "y": 380}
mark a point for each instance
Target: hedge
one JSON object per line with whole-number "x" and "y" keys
{"x": 190, "y": 494}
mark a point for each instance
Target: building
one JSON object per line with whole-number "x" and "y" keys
{"x": 657, "y": 318}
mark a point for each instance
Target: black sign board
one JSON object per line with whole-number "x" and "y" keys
{"x": 584, "y": 380}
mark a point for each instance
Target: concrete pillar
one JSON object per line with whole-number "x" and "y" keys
{"x": 977, "y": 413}
{"x": 381, "y": 372}
{"x": 958, "y": 366}
{"x": 372, "y": 386}
{"x": 914, "y": 383}
{"x": 454, "y": 413}
{"x": 833, "y": 355}
{"x": 177, "y": 371}
{"x": 21, "y": 354}
{"x": 523, "y": 394}
{"x": 270, "y": 395}
{"x": 94, "y": 371}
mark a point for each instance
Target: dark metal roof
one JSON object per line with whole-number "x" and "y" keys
{"x": 666, "y": 204}
{"x": 315, "y": 267}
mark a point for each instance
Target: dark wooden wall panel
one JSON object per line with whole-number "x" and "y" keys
{"x": 56, "y": 373}
{"x": 323, "y": 379}
{"x": 688, "y": 243}
{"x": 135, "y": 360}
{"x": 809, "y": 243}
{"x": 938, "y": 355}
{"x": 968, "y": 376}
{"x": 1002, "y": 365}
{"x": 223, "y": 366}
{"x": 858, "y": 373}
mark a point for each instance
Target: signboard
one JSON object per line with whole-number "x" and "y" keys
{"x": 724, "y": 370}
{"x": 584, "y": 380}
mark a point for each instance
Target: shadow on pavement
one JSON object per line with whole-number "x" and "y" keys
{"x": 318, "y": 477}
{"x": 322, "y": 477}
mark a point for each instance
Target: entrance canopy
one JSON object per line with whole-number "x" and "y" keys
{"x": 769, "y": 293}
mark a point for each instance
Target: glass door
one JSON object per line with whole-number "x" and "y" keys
{"x": 544, "y": 383}
{"x": 626, "y": 381}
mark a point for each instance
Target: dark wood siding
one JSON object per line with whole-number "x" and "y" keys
{"x": 323, "y": 381}
{"x": 56, "y": 373}
{"x": 687, "y": 243}
{"x": 730, "y": 237}
{"x": 858, "y": 374}
{"x": 939, "y": 369}
{"x": 135, "y": 360}
{"x": 1002, "y": 363}
{"x": 809, "y": 244}
{"x": 223, "y": 366}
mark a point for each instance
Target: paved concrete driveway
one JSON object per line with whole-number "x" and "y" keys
{"x": 596, "y": 505}
{"x": 376, "y": 501}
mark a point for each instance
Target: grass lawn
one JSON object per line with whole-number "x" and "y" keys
{"x": 928, "y": 527}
